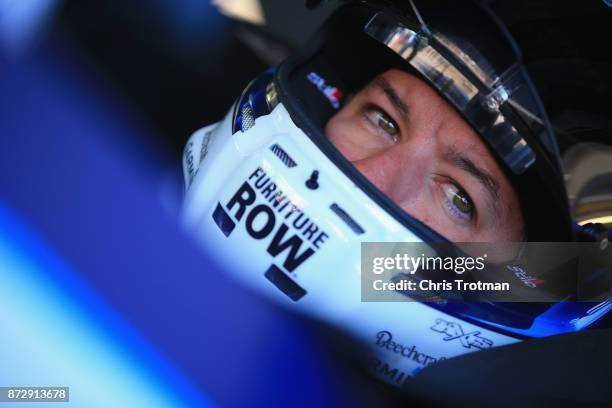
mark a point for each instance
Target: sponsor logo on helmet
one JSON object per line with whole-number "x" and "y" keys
{"x": 267, "y": 214}
{"x": 528, "y": 280}
{"x": 389, "y": 373}
{"x": 333, "y": 94}
{"x": 384, "y": 339}
{"x": 454, "y": 331}
{"x": 189, "y": 156}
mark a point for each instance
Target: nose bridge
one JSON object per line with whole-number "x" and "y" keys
{"x": 399, "y": 171}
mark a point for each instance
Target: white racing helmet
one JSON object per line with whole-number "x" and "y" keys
{"x": 272, "y": 200}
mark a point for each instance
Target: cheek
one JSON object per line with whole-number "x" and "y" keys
{"x": 513, "y": 224}
{"x": 334, "y": 129}
{"x": 402, "y": 180}
{"x": 338, "y": 131}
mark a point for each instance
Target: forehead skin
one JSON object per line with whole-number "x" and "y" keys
{"x": 430, "y": 128}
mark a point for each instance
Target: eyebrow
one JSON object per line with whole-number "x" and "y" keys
{"x": 486, "y": 179}
{"x": 381, "y": 83}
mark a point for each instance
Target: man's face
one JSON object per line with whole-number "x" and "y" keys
{"x": 411, "y": 144}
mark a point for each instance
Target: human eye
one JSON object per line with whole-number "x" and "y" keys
{"x": 457, "y": 203}
{"x": 381, "y": 122}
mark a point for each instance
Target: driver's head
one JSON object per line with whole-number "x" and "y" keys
{"x": 412, "y": 145}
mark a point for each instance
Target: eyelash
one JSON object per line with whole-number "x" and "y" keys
{"x": 382, "y": 114}
{"x": 450, "y": 207}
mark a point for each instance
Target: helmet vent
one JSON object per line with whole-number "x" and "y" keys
{"x": 248, "y": 119}
{"x": 348, "y": 220}
{"x": 283, "y": 156}
{"x": 284, "y": 283}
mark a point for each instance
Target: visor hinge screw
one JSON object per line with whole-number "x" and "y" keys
{"x": 312, "y": 182}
